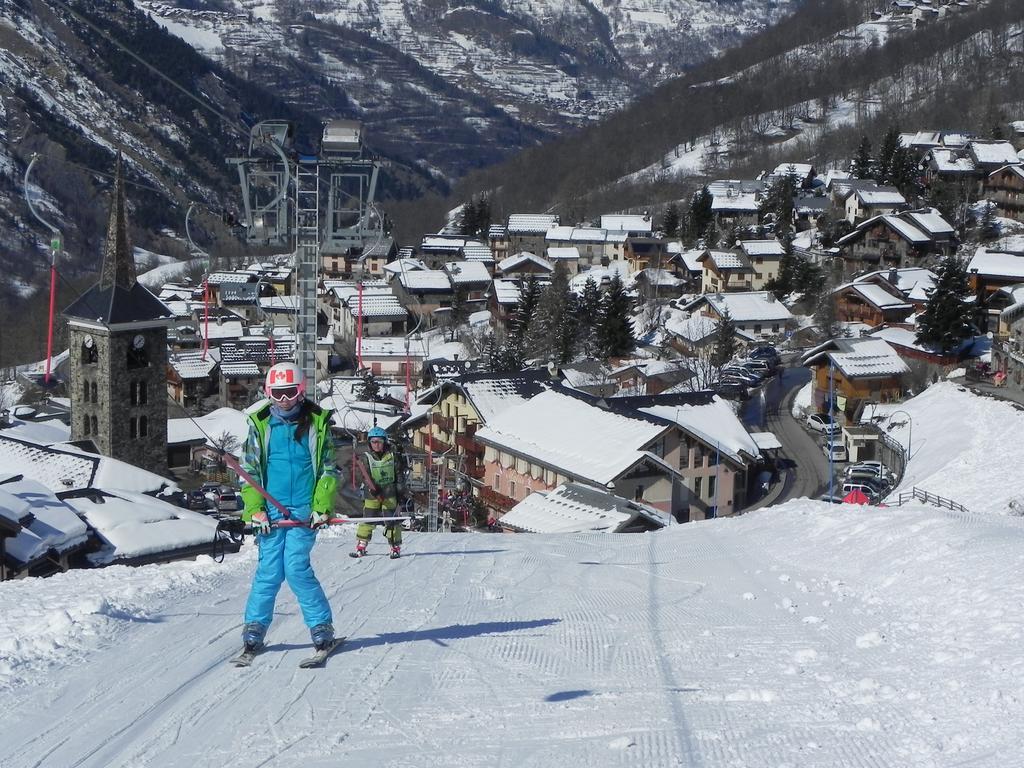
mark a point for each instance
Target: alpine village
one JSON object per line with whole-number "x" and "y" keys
{"x": 643, "y": 269}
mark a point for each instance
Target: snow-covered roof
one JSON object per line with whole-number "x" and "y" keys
{"x": 693, "y": 328}
{"x": 691, "y": 258}
{"x": 191, "y": 365}
{"x": 907, "y": 230}
{"x": 577, "y": 438}
{"x": 442, "y": 243}
{"x": 133, "y": 525}
{"x": 908, "y": 280}
{"x": 993, "y": 152}
{"x": 493, "y": 394}
{"x": 746, "y": 306}
{"x": 426, "y": 280}
{"x": 740, "y": 201}
{"x": 400, "y": 266}
{"x": 802, "y": 170}
{"x": 880, "y": 196}
{"x": 378, "y": 305}
{"x": 392, "y": 346}
{"x": 766, "y": 441}
{"x": 715, "y": 424}
{"x": 467, "y": 272}
{"x": 55, "y": 525}
{"x": 921, "y": 139}
{"x": 216, "y": 278}
{"x": 577, "y": 508}
{"x": 878, "y": 296}
{"x": 474, "y": 251}
{"x": 951, "y": 161}
{"x": 209, "y": 428}
{"x": 762, "y": 247}
{"x": 239, "y": 369}
{"x": 506, "y": 291}
{"x": 521, "y": 259}
{"x": 228, "y": 329}
{"x": 997, "y": 264}
{"x": 726, "y": 260}
{"x": 637, "y": 223}
{"x": 531, "y": 223}
{"x": 568, "y": 253}
{"x": 864, "y": 358}
{"x": 930, "y": 221}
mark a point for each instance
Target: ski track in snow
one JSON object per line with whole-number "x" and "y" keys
{"x": 806, "y": 635}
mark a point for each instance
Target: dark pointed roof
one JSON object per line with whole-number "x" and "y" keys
{"x": 118, "y": 297}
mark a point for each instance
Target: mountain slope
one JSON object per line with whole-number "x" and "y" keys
{"x": 807, "y": 635}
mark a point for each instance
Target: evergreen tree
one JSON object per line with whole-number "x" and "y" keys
{"x": 589, "y": 318}
{"x": 726, "y": 344}
{"x": 553, "y": 331}
{"x": 458, "y": 313}
{"x": 988, "y": 228}
{"x": 778, "y": 201}
{"x": 947, "y": 317}
{"x": 369, "y": 388}
{"x": 701, "y": 215}
{"x": 615, "y": 332}
{"x": 887, "y": 154}
{"x": 671, "y": 221}
{"x": 513, "y": 353}
{"x": 862, "y": 162}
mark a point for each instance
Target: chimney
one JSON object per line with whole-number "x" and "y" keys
{"x": 893, "y": 276}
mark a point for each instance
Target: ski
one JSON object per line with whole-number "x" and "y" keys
{"x": 320, "y": 657}
{"x": 357, "y": 554}
{"x": 244, "y": 659}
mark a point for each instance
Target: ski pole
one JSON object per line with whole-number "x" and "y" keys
{"x": 336, "y": 521}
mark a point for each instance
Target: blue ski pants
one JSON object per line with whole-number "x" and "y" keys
{"x": 284, "y": 555}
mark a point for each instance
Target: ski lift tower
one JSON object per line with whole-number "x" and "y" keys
{"x": 274, "y": 175}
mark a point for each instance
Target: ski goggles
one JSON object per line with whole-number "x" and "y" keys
{"x": 279, "y": 394}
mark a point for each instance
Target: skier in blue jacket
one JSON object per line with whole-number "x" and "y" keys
{"x": 289, "y": 451}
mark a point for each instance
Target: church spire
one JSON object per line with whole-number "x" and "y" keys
{"x": 118, "y": 259}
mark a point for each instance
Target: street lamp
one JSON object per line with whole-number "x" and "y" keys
{"x": 910, "y": 432}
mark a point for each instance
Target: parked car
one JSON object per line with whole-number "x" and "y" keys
{"x": 823, "y": 422}
{"x": 867, "y": 476}
{"x": 750, "y": 378}
{"x": 760, "y": 365}
{"x": 197, "y": 499}
{"x": 835, "y": 450}
{"x": 878, "y": 486}
{"x": 765, "y": 352}
{"x": 876, "y": 467}
{"x": 731, "y": 390}
{"x": 873, "y": 494}
{"x": 228, "y": 500}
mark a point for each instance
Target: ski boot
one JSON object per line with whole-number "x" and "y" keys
{"x": 252, "y": 636}
{"x": 360, "y": 549}
{"x": 396, "y": 551}
{"x": 323, "y": 636}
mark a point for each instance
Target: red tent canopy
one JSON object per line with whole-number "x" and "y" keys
{"x": 856, "y": 497}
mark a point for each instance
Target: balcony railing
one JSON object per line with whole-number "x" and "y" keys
{"x": 445, "y": 423}
{"x": 497, "y": 500}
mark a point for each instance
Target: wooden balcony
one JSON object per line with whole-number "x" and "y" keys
{"x": 475, "y": 470}
{"x": 445, "y": 423}
{"x": 469, "y": 445}
{"x": 498, "y": 501}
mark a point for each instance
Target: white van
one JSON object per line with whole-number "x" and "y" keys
{"x": 835, "y": 450}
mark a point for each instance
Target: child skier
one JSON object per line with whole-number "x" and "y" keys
{"x": 289, "y": 451}
{"x": 380, "y": 471}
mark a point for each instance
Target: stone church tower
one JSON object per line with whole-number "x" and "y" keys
{"x": 117, "y": 334}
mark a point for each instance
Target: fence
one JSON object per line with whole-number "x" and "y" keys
{"x": 929, "y": 498}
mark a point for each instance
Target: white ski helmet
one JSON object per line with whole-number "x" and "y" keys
{"x": 285, "y": 385}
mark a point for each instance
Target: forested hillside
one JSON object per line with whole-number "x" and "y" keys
{"x": 772, "y": 100}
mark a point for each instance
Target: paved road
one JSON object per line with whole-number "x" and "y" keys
{"x": 771, "y": 410}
